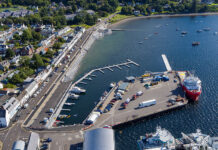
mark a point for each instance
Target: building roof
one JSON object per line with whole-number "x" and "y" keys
{"x": 123, "y": 86}
{"x": 130, "y": 78}
{"x": 11, "y": 104}
{"x": 18, "y": 145}
{"x": 33, "y": 141}
{"x": 99, "y": 139}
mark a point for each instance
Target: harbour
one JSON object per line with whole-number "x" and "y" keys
{"x": 121, "y": 104}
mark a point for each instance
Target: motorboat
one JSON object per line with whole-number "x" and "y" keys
{"x": 78, "y": 90}
{"x": 73, "y": 96}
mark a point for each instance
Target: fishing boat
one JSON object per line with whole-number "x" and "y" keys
{"x": 140, "y": 42}
{"x": 206, "y": 29}
{"x": 199, "y": 31}
{"x": 191, "y": 85}
{"x": 195, "y": 43}
{"x": 184, "y": 32}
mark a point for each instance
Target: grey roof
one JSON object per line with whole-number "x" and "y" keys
{"x": 123, "y": 86}
{"x": 11, "y": 104}
{"x": 18, "y": 145}
{"x": 33, "y": 141}
{"x": 130, "y": 78}
{"x": 99, "y": 139}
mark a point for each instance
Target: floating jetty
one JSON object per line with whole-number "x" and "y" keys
{"x": 127, "y": 63}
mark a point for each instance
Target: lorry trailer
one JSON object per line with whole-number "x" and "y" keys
{"x": 147, "y": 103}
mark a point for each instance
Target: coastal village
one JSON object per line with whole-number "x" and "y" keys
{"x": 38, "y": 62}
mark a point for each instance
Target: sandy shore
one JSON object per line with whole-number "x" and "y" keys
{"x": 114, "y": 25}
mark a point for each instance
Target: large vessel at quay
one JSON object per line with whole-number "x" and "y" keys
{"x": 190, "y": 84}
{"x": 163, "y": 140}
{"x": 160, "y": 140}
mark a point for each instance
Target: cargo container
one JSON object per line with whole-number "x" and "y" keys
{"x": 92, "y": 118}
{"x": 147, "y": 103}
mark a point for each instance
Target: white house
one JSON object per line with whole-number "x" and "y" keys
{"x": 15, "y": 59}
{"x": 8, "y": 110}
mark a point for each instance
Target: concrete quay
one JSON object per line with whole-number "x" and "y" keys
{"x": 161, "y": 92}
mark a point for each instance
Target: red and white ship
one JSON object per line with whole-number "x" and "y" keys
{"x": 190, "y": 84}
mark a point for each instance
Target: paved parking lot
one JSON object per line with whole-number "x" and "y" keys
{"x": 161, "y": 92}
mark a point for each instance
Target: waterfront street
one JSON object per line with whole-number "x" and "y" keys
{"x": 31, "y": 118}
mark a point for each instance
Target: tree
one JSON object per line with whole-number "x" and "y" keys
{"x": 194, "y": 6}
{"x": 47, "y": 20}
{"x": 9, "y": 53}
{"x": 49, "y": 54}
{"x": 26, "y": 36}
{"x": 36, "y": 36}
{"x": 38, "y": 62}
{"x": 91, "y": 19}
{"x": 57, "y": 45}
{"x": 22, "y": 75}
{"x": 78, "y": 19}
{"x": 16, "y": 79}
{"x": 127, "y": 10}
{"x": 25, "y": 61}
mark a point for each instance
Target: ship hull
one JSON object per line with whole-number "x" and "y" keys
{"x": 192, "y": 95}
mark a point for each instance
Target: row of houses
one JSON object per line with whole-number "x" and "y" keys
{"x": 18, "y": 13}
{"x": 11, "y": 106}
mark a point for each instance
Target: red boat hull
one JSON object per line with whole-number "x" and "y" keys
{"x": 193, "y": 95}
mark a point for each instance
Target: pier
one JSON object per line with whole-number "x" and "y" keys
{"x": 163, "y": 92}
{"x": 168, "y": 67}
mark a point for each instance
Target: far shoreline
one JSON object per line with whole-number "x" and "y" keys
{"x": 113, "y": 25}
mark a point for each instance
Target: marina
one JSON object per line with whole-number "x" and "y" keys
{"x": 73, "y": 91}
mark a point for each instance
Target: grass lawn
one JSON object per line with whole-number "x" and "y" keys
{"x": 14, "y": 8}
{"x": 81, "y": 25}
{"x": 119, "y": 17}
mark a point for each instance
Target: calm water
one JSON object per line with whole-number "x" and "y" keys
{"x": 121, "y": 45}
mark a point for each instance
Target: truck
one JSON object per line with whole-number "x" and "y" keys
{"x": 147, "y": 103}
{"x": 92, "y": 118}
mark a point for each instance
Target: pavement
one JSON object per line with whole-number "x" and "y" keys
{"x": 161, "y": 92}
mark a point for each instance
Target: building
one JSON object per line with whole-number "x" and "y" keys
{"x": 3, "y": 92}
{"x": 4, "y": 64}
{"x": 91, "y": 12}
{"x": 34, "y": 141}
{"x": 136, "y": 12}
{"x": 70, "y": 17}
{"x": 123, "y": 86}
{"x": 18, "y": 145}
{"x": 8, "y": 110}
{"x": 99, "y": 139}
{"x": 3, "y": 49}
{"x": 15, "y": 60}
{"x": 28, "y": 50}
